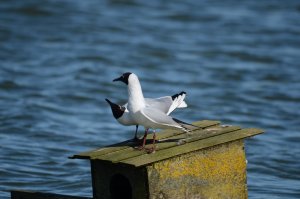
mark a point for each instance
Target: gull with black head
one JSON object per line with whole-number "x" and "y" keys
{"x": 167, "y": 104}
{"x": 148, "y": 116}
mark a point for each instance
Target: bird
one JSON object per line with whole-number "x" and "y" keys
{"x": 149, "y": 117}
{"x": 167, "y": 104}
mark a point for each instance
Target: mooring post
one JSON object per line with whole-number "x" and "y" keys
{"x": 208, "y": 163}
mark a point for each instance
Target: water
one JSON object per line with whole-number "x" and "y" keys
{"x": 238, "y": 62}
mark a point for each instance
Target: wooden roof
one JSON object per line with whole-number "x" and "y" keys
{"x": 170, "y": 143}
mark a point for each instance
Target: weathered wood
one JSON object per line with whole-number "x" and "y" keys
{"x": 210, "y": 162}
{"x": 170, "y": 142}
{"x": 17, "y": 194}
{"x": 215, "y": 172}
{"x": 188, "y": 147}
{"x": 124, "y": 145}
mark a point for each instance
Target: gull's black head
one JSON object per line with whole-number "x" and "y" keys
{"x": 117, "y": 110}
{"x": 123, "y": 78}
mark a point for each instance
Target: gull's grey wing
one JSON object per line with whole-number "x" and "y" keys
{"x": 167, "y": 104}
{"x": 162, "y": 103}
{"x": 158, "y": 117}
{"x": 161, "y": 119}
{"x": 178, "y": 102}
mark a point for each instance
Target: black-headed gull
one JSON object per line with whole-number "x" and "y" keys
{"x": 167, "y": 104}
{"x": 144, "y": 115}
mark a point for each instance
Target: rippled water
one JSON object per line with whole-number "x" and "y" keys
{"x": 238, "y": 62}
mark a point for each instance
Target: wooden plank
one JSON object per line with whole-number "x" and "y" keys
{"x": 103, "y": 150}
{"x": 170, "y": 133}
{"x": 188, "y": 147}
{"x": 126, "y": 144}
{"x": 173, "y": 141}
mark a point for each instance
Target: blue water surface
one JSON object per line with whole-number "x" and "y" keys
{"x": 239, "y": 62}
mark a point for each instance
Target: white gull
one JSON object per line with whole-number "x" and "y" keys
{"x": 148, "y": 116}
{"x": 167, "y": 104}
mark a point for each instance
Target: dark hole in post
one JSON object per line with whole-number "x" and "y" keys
{"x": 120, "y": 187}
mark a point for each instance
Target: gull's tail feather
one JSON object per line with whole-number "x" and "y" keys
{"x": 178, "y": 101}
{"x": 186, "y": 126}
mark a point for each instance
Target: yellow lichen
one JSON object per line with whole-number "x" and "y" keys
{"x": 217, "y": 170}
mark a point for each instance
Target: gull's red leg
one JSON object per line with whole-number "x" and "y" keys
{"x": 145, "y": 137}
{"x": 152, "y": 149}
{"x": 144, "y": 140}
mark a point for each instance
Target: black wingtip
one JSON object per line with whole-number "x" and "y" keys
{"x": 176, "y": 95}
